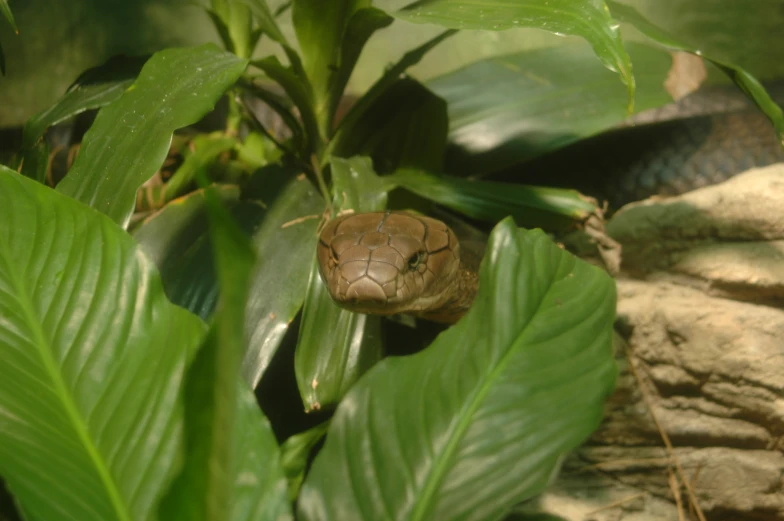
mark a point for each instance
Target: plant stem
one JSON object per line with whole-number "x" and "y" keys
{"x": 315, "y": 163}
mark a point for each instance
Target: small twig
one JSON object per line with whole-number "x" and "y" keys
{"x": 665, "y": 438}
{"x": 299, "y": 220}
{"x": 676, "y": 493}
{"x": 617, "y": 503}
{"x": 628, "y": 461}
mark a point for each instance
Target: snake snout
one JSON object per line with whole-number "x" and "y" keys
{"x": 387, "y": 263}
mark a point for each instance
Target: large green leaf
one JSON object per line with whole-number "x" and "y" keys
{"x": 285, "y": 242}
{"x": 406, "y": 127}
{"x": 204, "y": 489}
{"x": 93, "y": 89}
{"x": 177, "y": 240}
{"x": 389, "y": 78}
{"x": 283, "y": 235}
{"x": 361, "y": 26}
{"x": 479, "y": 420}
{"x": 589, "y": 19}
{"x": 532, "y": 206}
{"x": 747, "y": 82}
{"x": 336, "y": 346}
{"x": 320, "y": 32}
{"x": 99, "y": 352}
{"x": 130, "y": 137}
{"x": 509, "y": 109}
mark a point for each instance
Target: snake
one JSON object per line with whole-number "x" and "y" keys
{"x": 390, "y": 263}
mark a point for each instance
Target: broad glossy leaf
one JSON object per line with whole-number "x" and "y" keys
{"x": 479, "y": 420}
{"x": 283, "y": 235}
{"x": 361, "y": 26}
{"x": 589, "y": 19}
{"x": 748, "y": 83}
{"x": 726, "y": 30}
{"x": 130, "y": 137}
{"x": 533, "y": 206}
{"x": 406, "y": 127}
{"x": 177, "y": 240}
{"x": 285, "y": 243}
{"x": 335, "y": 346}
{"x": 93, "y": 89}
{"x": 213, "y": 392}
{"x": 389, "y": 78}
{"x": 320, "y": 34}
{"x": 89, "y": 335}
{"x": 510, "y": 109}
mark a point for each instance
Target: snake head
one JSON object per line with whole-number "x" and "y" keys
{"x": 388, "y": 262}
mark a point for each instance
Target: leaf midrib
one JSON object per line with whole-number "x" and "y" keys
{"x": 435, "y": 477}
{"x": 61, "y": 390}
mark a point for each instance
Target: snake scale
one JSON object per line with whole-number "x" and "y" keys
{"x": 392, "y": 262}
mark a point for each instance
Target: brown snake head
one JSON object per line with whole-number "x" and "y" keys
{"x": 388, "y": 262}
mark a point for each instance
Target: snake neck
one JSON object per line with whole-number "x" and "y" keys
{"x": 463, "y": 288}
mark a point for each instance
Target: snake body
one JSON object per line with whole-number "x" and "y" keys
{"x": 394, "y": 262}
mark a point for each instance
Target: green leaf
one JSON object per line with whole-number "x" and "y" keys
{"x": 206, "y": 148}
{"x": 299, "y": 91}
{"x": 9, "y": 16}
{"x": 285, "y": 242}
{"x": 130, "y": 137}
{"x": 176, "y": 239}
{"x": 479, "y": 420}
{"x": 89, "y": 335}
{"x": 509, "y": 109}
{"x": 356, "y": 186}
{"x": 93, "y": 89}
{"x": 589, "y": 19}
{"x": 202, "y": 490}
{"x": 532, "y": 206}
{"x": 389, "y": 78}
{"x": 212, "y": 394}
{"x": 335, "y": 346}
{"x": 320, "y": 33}
{"x": 406, "y": 127}
{"x": 236, "y": 19}
{"x": 36, "y": 162}
{"x": 748, "y": 83}
{"x": 296, "y": 454}
{"x": 265, "y": 19}
{"x": 361, "y": 26}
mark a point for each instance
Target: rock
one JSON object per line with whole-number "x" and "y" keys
{"x": 700, "y": 312}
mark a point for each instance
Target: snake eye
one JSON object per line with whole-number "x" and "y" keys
{"x": 415, "y": 260}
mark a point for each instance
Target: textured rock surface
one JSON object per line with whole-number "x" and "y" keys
{"x": 700, "y": 313}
